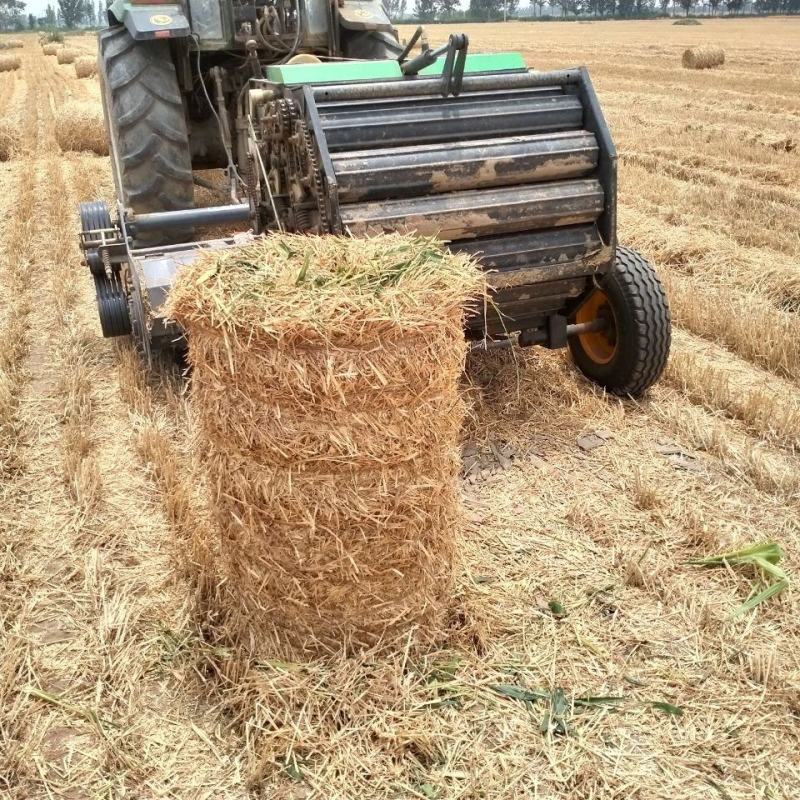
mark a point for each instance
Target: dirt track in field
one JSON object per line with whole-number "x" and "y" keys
{"x": 106, "y": 688}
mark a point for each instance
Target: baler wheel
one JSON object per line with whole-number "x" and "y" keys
{"x": 629, "y": 354}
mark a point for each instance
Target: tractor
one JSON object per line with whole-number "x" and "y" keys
{"x": 324, "y": 122}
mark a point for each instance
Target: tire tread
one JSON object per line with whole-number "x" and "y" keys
{"x": 149, "y": 124}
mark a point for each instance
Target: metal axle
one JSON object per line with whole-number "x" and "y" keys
{"x": 188, "y": 218}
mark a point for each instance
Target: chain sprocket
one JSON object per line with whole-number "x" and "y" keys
{"x": 294, "y": 168}
{"x": 314, "y": 173}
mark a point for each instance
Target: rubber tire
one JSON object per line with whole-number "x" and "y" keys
{"x": 146, "y": 119}
{"x": 370, "y": 45}
{"x": 644, "y": 330}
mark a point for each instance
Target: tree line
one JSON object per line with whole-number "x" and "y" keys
{"x": 483, "y": 10}
{"x": 65, "y": 14}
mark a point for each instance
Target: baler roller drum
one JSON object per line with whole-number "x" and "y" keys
{"x": 482, "y": 212}
{"x": 486, "y": 116}
{"x": 433, "y": 86}
{"x": 455, "y": 166}
{"x": 532, "y": 250}
{"x": 391, "y": 103}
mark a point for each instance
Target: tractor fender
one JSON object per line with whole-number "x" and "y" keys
{"x": 154, "y": 21}
{"x": 363, "y": 15}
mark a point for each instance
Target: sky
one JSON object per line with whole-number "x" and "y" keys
{"x": 37, "y": 7}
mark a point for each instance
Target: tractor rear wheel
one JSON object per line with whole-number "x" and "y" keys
{"x": 628, "y": 356}
{"x": 145, "y": 119}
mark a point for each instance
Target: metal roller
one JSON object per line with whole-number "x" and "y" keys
{"x": 447, "y": 167}
{"x": 466, "y": 215}
{"x": 560, "y": 246}
{"x": 433, "y": 86}
{"x": 477, "y": 116}
{"x": 391, "y": 103}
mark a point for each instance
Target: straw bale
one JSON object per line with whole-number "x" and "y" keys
{"x": 65, "y": 55}
{"x": 703, "y": 57}
{"x": 9, "y": 139}
{"x": 325, "y": 390}
{"x": 14, "y": 44}
{"x": 8, "y": 63}
{"x": 85, "y": 67}
{"x": 79, "y": 126}
{"x": 51, "y": 49}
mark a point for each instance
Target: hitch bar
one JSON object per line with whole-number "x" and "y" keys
{"x": 455, "y": 53}
{"x": 188, "y": 218}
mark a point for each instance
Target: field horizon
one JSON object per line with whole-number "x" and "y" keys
{"x": 585, "y": 657}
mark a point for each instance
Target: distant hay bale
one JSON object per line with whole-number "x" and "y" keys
{"x": 14, "y": 44}
{"x": 51, "y": 49}
{"x": 65, "y": 55}
{"x": 325, "y": 386}
{"x": 8, "y": 63}
{"x": 703, "y": 57}
{"x": 687, "y": 21}
{"x": 9, "y": 139}
{"x": 79, "y": 126}
{"x": 85, "y": 67}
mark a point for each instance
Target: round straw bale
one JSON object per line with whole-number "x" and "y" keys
{"x": 8, "y": 63}
{"x": 325, "y": 390}
{"x": 51, "y": 48}
{"x": 14, "y": 44}
{"x": 65, "y": 55}
{"x": 9, "y": 139}
{"x": 79, "y": 126}
{"x": 703, "y": 57}
{"x": 85, "y": 67}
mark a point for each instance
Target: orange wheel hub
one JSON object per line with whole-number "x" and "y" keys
{"x": 600, "y": 346}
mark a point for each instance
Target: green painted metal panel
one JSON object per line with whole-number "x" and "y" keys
{"x": 481, "y": 62}
{"x": 334, "y": 72}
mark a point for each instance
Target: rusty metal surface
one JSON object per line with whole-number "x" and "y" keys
{"x": 525, "y": 307}
{"x": 455, "y": 166}
{"x": 470, "y": 214}
{"x": 470, "y": 117}
{"x": 432, "y": 86}
{"x": 536, "y": 251}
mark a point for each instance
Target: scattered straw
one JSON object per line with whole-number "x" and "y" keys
{"x": 66, "y": 56}
{"x": 325, "y": 383}
{"x": 9, "y": 139}
{"x": 79, "y": 126}
{"x": 8, "y": 63}
{"x": 85, "y": 67}
{"x": 703, "y": 57}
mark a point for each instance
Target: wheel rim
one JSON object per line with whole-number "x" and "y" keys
{"x": 599, "y": 346}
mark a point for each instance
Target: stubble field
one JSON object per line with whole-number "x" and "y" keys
{"x": 586, "y": 658}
